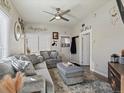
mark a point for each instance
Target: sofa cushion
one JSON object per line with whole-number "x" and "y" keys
{"x": 29, "y": 70}
{"x": 45, "y": 54}
{"x": 39, "y": 66}
{"x": 51, "y": 61}
{"x": 33, "y": 58}
{"x": 53, "y": 54}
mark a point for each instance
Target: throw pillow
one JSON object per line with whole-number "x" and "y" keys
{"x": 24, "y": 57}
{"x": 23, "y": 64}
{"x": 18, "y": 65}
{"x": 53, "y": 55}
{"x": 40, "y": 58}
{"x": 15, "y": 63}
{"x": 33, "y": 59}
{"x": 45, "y": 54}
{"x": 29, "y": 70}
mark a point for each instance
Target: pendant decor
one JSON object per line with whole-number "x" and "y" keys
{"x": 21, "y": 23}
{"x": 114, "y": 15}
{"x": 85, "y": 28}
{"x": 5, "y": 4}
{"x": 17, "y": 30}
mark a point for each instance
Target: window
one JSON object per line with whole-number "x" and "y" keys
{"x": 65, "y": 41}
{"x": 3, "y": 35}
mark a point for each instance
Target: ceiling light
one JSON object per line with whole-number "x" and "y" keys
{"x": 58, "y": 17}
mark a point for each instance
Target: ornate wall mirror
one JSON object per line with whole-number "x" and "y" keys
{"x": 17, "y": 31}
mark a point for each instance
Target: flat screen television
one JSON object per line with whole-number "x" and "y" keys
{"x": 121, "y": 9}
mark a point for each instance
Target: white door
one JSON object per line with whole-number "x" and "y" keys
{"x": 86, "y": 49}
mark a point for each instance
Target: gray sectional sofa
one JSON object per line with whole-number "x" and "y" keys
{"x": 34, "y": 67}
{"x": 51, "y": 58}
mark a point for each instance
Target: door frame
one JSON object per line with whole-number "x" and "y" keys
{"x": 81, "y": 49}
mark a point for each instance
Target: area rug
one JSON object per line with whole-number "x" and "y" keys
{"x": 91, "y": 84}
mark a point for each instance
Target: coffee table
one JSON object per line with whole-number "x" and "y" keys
{"x": 72, "y": 74}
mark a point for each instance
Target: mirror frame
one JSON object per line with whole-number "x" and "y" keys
{"x": 17, "y": 31}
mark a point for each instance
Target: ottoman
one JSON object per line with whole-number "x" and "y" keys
{"x": 70, "y": 74}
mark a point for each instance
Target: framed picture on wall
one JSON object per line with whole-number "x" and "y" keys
{"x": 55, "y": 35}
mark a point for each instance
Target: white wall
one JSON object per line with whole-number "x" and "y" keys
{"x": 107, "y": 37}
{"x": 14, "y": 47}
{"x": 63, "y": 31}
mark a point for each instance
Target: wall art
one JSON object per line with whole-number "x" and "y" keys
{"x": 55, "y": 35}
{"x": 114, "y": 15}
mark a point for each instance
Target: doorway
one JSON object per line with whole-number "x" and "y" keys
{"x": 86, "y": 48}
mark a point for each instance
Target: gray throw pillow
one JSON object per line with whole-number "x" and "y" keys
{"x": 53, "y": 55}
{"x": 33, "y": 59}
{"x": 23, "y": 64}
{"x": 45, "y": 54}
{"x": 40, "y": 58}
{"x": 18, "y": 65}
{"x": 29, "y": 70}
{"x": 15, "y": 63}
{"x": 24, "y": 57}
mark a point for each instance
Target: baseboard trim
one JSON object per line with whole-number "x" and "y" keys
{"x": 101, "y": 73}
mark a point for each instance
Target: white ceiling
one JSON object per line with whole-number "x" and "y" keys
{"x": 31, "y": 10}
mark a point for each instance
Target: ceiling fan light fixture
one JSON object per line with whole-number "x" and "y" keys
{"x": 58, "y": 17}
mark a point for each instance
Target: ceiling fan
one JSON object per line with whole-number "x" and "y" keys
{"x": 59, "y": 14}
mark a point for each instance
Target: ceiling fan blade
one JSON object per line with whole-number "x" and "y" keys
{"x": 52, "y": 19}
{"x": 48, "y": 13}
{"x": 65, "y": 12}
{"x": 64, "y": 18}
